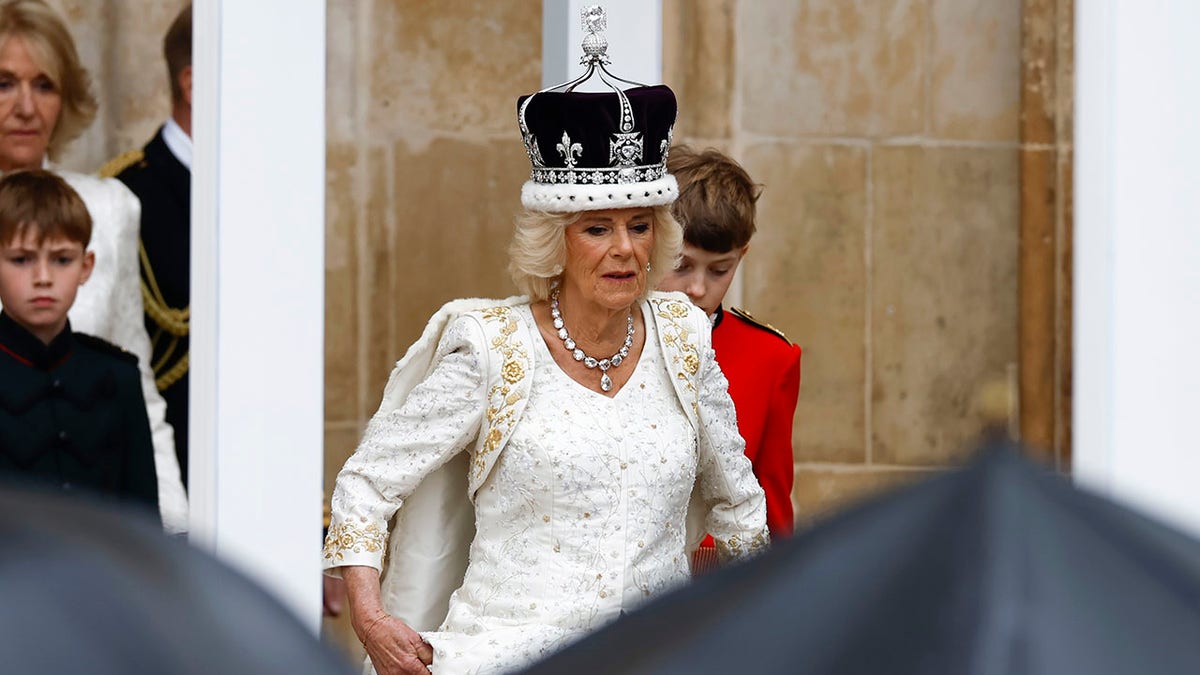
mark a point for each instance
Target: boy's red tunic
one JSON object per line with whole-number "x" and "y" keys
{"x": 763, "y": 369}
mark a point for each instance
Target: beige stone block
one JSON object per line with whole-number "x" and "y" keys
{"x": 830, "y": 67}
{"x": 137, "y": 91}
{"x": 975, "y": 64}
{"x": 698, "y": 64}
{"x": 343, "y": 77}
{"x": 944, "y": 296}
{"x": 456, "y": 65}
{"x": 820, "y": 492}
{"x": 341, "y": 285}
{"x": 806, "y": 275}
{"x": 341, "y": 439}
{"x": 1064, "y": 80}
{"x": 377, "y": 277}
{"x": 452, "y": 207}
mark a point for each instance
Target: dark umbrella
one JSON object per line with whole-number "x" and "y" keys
{"x": 996, "y": 568}
{"x": 91, "y": 588}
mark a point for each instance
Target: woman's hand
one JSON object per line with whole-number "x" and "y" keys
{"x": 395, "y": 648}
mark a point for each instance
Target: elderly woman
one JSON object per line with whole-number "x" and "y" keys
{"x": 45, "y": 103}
{"x": 576, "y": 424}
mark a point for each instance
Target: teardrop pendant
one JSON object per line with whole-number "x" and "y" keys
{"x": 606, "y": 383}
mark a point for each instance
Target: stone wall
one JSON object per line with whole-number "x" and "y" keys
{"x": 886, "y": 137}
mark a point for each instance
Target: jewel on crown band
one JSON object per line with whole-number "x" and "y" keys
{"x": 612, "y": 175}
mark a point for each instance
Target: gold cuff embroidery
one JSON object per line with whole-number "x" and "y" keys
{"x": 736, "y": 548}
{"x": 354, "y": 538}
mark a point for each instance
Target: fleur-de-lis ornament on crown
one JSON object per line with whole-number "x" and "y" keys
{"x": 570, "y": 151}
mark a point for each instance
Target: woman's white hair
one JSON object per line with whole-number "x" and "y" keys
{"x": 538, "y": 252}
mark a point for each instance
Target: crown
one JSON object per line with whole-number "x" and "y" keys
{"x": 597, "y": 150}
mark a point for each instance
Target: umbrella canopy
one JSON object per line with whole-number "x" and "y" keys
{"x": 996, "y": 568}
{"x": 90, "y": 588}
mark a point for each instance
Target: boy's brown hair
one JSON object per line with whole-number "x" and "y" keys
{"x": 716, "y": 199}
{"x": 42, "y": 201}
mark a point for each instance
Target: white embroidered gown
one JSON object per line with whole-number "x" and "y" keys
{"x": 583, "y": 514}
{"x": 584, "y": 511}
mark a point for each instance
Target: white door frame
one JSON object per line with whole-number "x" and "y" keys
{"x": 257, "y": 291}
{"x": 1137, "y": 243}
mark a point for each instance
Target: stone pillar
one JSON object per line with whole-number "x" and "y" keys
{"x": 1045, "y": 254}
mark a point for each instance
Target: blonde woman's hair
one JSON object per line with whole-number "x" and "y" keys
{"x": 538, "y": 252}
{"x": 52, "y": 48}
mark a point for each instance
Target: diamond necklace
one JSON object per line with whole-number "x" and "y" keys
{"x": 589, "y": 361}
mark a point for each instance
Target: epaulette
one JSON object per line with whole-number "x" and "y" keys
{"x": 121, "y": 162}
{"x": 105, "y": 347}
{"x": 745, "y": 316}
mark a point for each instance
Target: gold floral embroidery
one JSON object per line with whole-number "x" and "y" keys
{"x": 503, "y": 396}
{"x": 493, "y": 439}
{"x": 692, "y": 363}
{"x": 513, "y": 371}
{"x": 497, "y": 312}
{"x": 355, "y": 538}
{"x": 683, "y": 354}
{"x": 735, "y": 548}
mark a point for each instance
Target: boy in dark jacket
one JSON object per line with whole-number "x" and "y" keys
{"x": 71, "y": 408}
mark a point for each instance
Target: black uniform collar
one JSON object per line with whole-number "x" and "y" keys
{"x": 717, "y": 316}
{"x": 25, "y": 347}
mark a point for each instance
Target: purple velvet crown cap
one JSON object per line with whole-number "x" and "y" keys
{"x": 598, "y": 150}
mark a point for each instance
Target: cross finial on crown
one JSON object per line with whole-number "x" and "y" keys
{"x": 594, "y": 19}
{"x": 595, "y": 46}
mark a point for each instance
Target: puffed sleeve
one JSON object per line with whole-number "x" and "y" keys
{"x": 400, "y": 446}
{"x": 737, "y": 512}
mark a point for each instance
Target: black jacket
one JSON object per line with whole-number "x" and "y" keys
{"x": 163, "y": 185}
{"x": 72, "y": 415}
